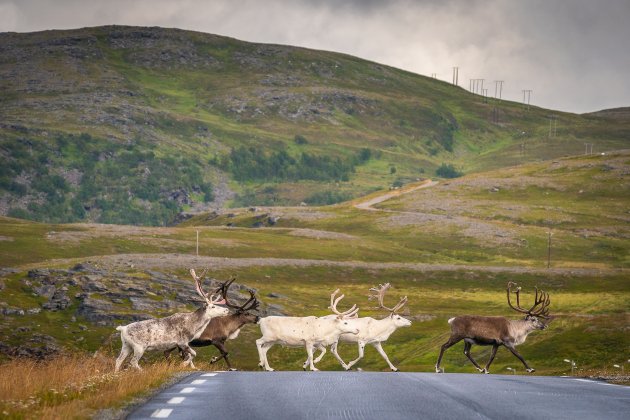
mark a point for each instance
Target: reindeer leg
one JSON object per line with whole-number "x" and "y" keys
{"x": 263, "y": 348}
{"x": 451, "y": 342}
{"x": 494, "y": 353}
{"x": 124, "y": 352}
{"x": 138, "y": 351}
{"x": 190, "y": 354}
{"x": 224, "y": 354}
{"x": 333, "y": 349}
{"x": 515, "y": 353}
{"x": 467, "y": 346}
{"x": 379, "y": 348}
{"x": 323, "y": 351}
{"x": 361, "y": 349}
{"x": 309, "y": 352}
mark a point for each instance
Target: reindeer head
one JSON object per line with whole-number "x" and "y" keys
{"x": 242, "y": 310}
{"x": 211, "y": 302}
{"x": 538, "y": 311}
{"x": 344, "y": 319}
{"x": 379, "y": 294}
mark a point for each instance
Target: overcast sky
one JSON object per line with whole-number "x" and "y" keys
{"x": 573, "y": 54}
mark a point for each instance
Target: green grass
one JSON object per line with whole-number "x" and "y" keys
{"x": 250, "y": 94}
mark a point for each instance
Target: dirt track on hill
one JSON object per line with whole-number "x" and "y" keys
{"x": 125, "y": 262}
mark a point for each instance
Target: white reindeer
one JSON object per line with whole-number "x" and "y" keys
{"x": 172, "y": 331}
{"x": 309, "y": 331}
{"x": 371, "y": 331}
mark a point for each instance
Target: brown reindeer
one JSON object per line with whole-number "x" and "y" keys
{"x": 498, "y": 331}
{"x": 226, "y": 327}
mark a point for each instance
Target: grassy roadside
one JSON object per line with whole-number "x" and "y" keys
{"x": 74, "y": 386}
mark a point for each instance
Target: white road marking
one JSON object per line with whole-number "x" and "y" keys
{"x": 187, "y": 390}
{"x": 162, "y": 413}
{"x": 209, "y": 374}
{"x": 198, "y": 382}
{"x": 176, "y": 400}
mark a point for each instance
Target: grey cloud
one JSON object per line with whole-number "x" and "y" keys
{"x": 571, "y": 53}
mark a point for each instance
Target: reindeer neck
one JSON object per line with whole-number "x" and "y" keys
{"x": 384, "y": 325}
{"x": 520, "y": 329}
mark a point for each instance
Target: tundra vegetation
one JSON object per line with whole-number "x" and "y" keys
{"x": 450, "y": 248}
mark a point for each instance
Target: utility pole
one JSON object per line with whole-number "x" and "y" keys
{"x": 549, "y": 249}
{"x": 456, "y": 76}
{"x": 498, "y": 88}
{"x": 528, "y": 92}
{"x": 434, "y": 75}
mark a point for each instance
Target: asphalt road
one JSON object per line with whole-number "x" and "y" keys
{"x": 385, "y": 396}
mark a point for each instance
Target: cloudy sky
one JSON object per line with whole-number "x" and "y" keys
{"x": 573, "y": 54}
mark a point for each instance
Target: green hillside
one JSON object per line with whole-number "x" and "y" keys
{"x": 136, "y": 125}
{"x": 451, "y": 248}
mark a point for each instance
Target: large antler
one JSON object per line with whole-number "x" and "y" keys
{"x": 541, "y": 302}
{"x": 252, "y": 301}
{"x": 209, "y": 299}
{"x": 350, "y": 313}
{"x": 379, "y": 294}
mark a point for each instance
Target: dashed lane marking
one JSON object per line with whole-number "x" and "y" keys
{"x": 162, "y": 413}
{"x": 187, "y": 390}
{"x": 176, "y": 400}
{"x": 198, "y": 382}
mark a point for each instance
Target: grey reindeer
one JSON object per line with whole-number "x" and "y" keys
{"x": 172, "y": 331}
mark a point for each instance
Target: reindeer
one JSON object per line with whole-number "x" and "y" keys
{"x": 309, "y": 331}
{"x": 371, "y": 331}
{"x": 172, "y": 331}
{"x": 224, "y": 328}
{"x": 498, "y": 331}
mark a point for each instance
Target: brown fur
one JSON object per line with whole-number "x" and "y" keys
{"x": 217, "y": 332}
{"x": 492, "y": 331}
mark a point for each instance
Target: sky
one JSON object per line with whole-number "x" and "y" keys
{"x": 574, "y": 55}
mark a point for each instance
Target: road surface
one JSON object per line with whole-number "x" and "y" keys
{"x": 385, "y": 396}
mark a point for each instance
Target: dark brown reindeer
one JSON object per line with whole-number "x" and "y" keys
{"x": 498, "y": 331}
{"x": 226, "y": 327}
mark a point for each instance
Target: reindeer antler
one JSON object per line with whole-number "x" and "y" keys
{"x": 333, "y": 306}
{"x": 379, "y": 294}
{"x": 541, "y": 299}
{"x": 199, "y": 288}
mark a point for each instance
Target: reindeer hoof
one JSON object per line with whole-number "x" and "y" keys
{"x": 439, "y": 370}
{"x": 530, "y": 370}
{"x": 395, "y": 370}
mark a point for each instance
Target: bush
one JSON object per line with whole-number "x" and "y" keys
{"x": 447, "y": 171}
{"x": 298, "y": 139}
{"x": 328, "y": 197}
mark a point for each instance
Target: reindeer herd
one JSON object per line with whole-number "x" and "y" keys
{"x": 212, "y": 324}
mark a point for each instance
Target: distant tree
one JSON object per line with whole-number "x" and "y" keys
{"x": 448, "y": 171}
{"x": 299, "y": 139}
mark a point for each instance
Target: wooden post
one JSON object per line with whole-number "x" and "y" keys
{"x": 549, "y": 250}
{"x": 197, "y": 243}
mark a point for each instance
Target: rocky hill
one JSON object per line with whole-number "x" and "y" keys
{"x": 141, "y": 125}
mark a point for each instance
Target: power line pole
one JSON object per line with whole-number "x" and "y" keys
{"x": 549, "y": 250}
{"x": 498, "y": 86}
{"x": 456, "y": 76}
{"x": 484, "y": 92}
{"x": 529, "y": 93}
